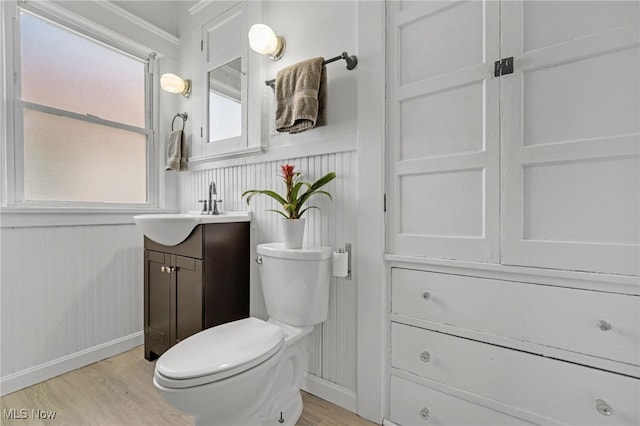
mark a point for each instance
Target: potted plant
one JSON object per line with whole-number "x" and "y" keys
{"x": 293, "y": 202}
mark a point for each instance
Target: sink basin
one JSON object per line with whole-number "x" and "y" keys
{"x": 172, "y": 229}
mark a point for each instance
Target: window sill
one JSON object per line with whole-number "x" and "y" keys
{"x": 23, "y": 217}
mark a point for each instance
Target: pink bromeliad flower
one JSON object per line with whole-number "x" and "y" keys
{"x": 288, "y": 173}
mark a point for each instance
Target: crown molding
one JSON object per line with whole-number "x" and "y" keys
{"x": 107, "y": 4}
{"x": 199, "y": 6}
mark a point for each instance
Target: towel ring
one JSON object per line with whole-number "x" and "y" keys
{"x": 184, "y": 117}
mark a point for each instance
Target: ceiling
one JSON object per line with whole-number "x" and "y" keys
{"x": 162, "y": 13}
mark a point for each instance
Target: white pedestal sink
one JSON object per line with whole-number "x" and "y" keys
{"x": 172, "y": 229}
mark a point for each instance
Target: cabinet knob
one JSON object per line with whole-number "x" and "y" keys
{"x": 425, "y": 356}
{"x": 259, "y": 260}
{"x": 604, "y": 325}
{"x": 426, "y": 295}
{"x": 424, "y": 413}
{"x": 603, "y": 408}
{"x": 162, "y": 268}
{"x": 167, "y": 269}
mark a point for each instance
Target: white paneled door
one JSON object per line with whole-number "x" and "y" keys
{"x": 443, "y": 160}
{"x": 570, "y": 135}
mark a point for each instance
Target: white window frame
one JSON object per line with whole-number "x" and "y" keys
{"x": 12, "y": 146}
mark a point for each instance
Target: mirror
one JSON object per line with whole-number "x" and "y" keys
{"x": 224, "y": 99}
{"x": 225, "y": 106}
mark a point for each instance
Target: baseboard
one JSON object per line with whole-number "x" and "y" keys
{"x": 331, "y": 392}
{"x": 30, "y": 376}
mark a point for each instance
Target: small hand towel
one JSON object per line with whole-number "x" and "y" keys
{"x": 176, "y": 152}
{"x": 301, "y": 96}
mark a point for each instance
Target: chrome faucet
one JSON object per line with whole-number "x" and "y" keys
{"x": 211, "y": 205}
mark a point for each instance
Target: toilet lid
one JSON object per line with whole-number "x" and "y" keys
{"x": 219, "y": 352}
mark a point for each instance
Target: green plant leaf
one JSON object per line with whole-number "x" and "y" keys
{"x": 295, "y": 190}
{"x": 304, "y": 210}
{"x": 251, "y": 193}
{"x": 279, "y": 212}
{"x": 309, "y": 193}
{"x": 325, "y": 193}
{"x": 323, "y": 181}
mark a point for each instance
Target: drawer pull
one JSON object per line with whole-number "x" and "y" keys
{"x": 425, "y": 356}
{"x": 426, "y": 295}
{"x": 603, "y": 408}
{"x": 604, "y": 326}
{"x": 424, "y": 413}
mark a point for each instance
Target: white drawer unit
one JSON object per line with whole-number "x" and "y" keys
{"x": 413, "y": 404}
{"x": 594, "y": 323}
{"x": 566, "y": 392}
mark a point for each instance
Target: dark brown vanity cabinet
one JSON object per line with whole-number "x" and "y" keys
{"x": 199, "y": 283}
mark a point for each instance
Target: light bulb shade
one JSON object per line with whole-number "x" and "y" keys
{"x": 173, "y": 84}
{"x": 263, "y": 40}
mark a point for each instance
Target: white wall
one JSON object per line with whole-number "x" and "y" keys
{"x": 71, "y": 295}
{"x": 71, "y": 283}
{"x": 311, "y": 28}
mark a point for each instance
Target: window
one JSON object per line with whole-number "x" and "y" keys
{"x": 82, "y": 121}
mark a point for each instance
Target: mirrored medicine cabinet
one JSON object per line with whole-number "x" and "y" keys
{"x": 226, "y": 71}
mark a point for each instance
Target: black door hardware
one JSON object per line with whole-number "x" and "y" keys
{"x": 503, "y": 67}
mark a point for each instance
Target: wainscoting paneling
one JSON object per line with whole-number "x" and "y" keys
{"x": 64, "y": 290}
{"x": 332, "y": 346}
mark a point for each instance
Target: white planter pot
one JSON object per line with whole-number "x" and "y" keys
{"x": 293, "y": 232}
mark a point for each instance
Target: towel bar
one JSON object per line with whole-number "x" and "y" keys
{"x": 184, "y": 117}
{"x": 352, "y": 62}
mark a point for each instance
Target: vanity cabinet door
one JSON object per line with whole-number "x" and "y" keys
{"x": 199, "y": 283}
{"x": 157, "y": 307}
{"x": 189, "y": 291}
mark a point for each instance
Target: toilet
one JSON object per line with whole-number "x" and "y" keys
{"x": 249, "y": 372}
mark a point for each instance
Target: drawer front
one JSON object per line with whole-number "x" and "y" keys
{"x": 413, "y": 404}
{"x": 589, "y": 322}
{"x": 567, "y": 392}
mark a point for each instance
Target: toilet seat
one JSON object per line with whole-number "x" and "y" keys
{"x": 219, "y": 352}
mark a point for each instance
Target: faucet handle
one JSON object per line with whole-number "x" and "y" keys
{"x": 215, "y": 206}
{"x": 204, "y": 207}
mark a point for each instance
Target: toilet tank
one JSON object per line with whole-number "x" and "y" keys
{"x": 295, "y": 283}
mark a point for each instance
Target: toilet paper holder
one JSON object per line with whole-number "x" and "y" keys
{"x": 347, "y": 249}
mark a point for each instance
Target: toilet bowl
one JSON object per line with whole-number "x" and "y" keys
{"x": 249, "y": 372}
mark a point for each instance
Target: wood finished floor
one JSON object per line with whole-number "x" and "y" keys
{"x": 119, "y": 392}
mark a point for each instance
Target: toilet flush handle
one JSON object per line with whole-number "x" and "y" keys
{"x": 259, "y": 260}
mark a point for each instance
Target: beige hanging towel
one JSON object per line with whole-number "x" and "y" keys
{"x": 176, "y": 152}
{"x": 301, "y": 96}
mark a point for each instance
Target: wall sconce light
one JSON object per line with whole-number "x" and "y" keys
{"x": 173, "y": 84}
{"x": 263, "y": 40}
